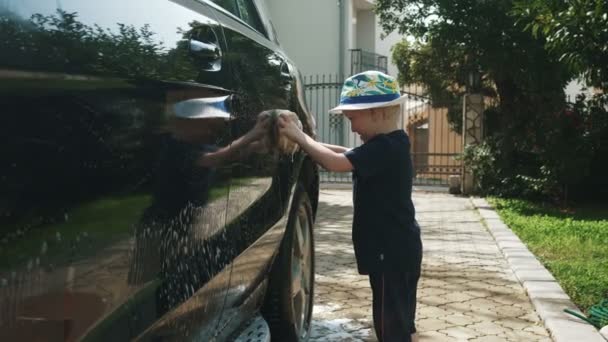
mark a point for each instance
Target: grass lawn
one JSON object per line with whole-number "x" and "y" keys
{"x": 572, "y": 245}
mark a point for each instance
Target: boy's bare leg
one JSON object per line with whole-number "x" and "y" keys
{"x": 414, "y": 337}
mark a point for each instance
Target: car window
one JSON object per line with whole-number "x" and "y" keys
{"x": 250, "y": 14}
{"x": 228, "y": 5}
{"x": 244, "y": 9}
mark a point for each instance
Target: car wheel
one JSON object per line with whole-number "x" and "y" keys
{"x": 289, "y": 301}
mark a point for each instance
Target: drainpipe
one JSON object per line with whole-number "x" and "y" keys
{"x": 341, "y": 46}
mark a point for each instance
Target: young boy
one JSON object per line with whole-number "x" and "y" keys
{"x": 386, "y": 235}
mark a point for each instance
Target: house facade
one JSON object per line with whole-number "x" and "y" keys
{"x": 332, "y": 37}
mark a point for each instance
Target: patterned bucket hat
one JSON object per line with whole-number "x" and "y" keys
{"x": 369, "y": 89}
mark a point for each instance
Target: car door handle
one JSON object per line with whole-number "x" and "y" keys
{"x": 205, "y": 50}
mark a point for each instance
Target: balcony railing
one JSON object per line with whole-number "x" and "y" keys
{"x": 361, "y": 60}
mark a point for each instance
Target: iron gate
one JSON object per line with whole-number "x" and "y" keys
{"x": 435, "y": 145}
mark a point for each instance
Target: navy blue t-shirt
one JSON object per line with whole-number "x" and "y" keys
{"x": 386, "y": 235}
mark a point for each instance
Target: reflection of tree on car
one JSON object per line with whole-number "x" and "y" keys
{"x": 84, "y": 124}
{"x": 62, "y": 43}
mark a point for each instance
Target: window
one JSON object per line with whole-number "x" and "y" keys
{"x": 250, "y": 15}
{"x": 228, "y": 5}
{"x": 244, "y": 9}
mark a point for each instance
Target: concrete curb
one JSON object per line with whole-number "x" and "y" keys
{"x": 548, "y": 298}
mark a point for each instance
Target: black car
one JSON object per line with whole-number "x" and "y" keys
{"x": 144, "y": 192}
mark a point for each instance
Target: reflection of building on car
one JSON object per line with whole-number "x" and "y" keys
{"x": 144, "y": 158}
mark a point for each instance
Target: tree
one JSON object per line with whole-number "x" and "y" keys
{"x": 454, "y": 37}
{"x": 451, "y": 38}
{"x": 576, "y": 30}
{"x": 434, "y": 67}
{"x": 577, "y": 33}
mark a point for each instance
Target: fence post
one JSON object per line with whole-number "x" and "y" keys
{"x": 472, "y": 133}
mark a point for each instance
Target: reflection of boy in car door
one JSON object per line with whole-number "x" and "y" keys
{"x": 183, "y": 214}
{"x": 190, "y": 167}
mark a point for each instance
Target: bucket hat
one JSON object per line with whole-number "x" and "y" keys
{"x": 369, "y": 89}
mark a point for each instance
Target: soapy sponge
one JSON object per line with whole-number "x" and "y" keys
{"x": 282, "y": 143}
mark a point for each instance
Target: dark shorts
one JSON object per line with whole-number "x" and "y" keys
{"x": 394, "y": 305}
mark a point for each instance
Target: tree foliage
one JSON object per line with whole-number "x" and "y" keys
{"x": 62, "y": 43}
{"x": 453, "y": 38}
{"x": 575, "y": 30}
{"x": 533, "y": 144}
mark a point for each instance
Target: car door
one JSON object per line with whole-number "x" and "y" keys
{"x": 113, "y": 202}
{"x": 262, "y": 180}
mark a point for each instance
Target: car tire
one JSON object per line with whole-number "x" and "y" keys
{"x": 289, "y": 300}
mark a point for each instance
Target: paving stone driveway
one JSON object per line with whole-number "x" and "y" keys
{"x": 467, "y": 291}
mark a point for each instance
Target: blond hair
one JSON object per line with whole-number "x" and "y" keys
{"x": 388, "y": 113}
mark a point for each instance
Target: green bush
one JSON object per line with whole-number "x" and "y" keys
{"x": 557, "y": 156}
{"x": 519, "y": 178}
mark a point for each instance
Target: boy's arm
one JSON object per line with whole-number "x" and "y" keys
{"x": 325, "y": 156}
{"x": 336, "y": 148}
{"x": 239, "y": 147}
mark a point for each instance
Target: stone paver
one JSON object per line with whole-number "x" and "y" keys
{"x": 467, "y": 291}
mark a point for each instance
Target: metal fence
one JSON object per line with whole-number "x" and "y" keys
{"x": 434, "y": 145}
{"x": 322, "y": 94}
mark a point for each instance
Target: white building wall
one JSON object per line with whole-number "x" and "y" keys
{"x": 350, "y": 33}
{"x": 308, "y": 32}
{"x": 366, "y": 30}
{"x": 383, "y": 47}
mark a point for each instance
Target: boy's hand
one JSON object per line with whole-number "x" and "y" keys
{"x": 261, "y": 128}
{"x": 325, "y": 156}
{"x": 288, "y": 128}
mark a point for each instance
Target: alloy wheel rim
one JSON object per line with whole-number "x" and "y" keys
{"x": 300, "y": 274}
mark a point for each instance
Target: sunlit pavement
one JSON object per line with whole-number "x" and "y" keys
{"x": 467, "y": 291}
